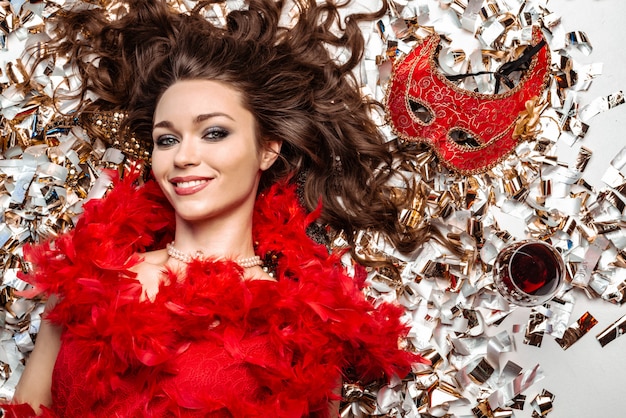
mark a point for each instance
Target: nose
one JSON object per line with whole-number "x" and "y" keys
{"x": 187, "y": 152}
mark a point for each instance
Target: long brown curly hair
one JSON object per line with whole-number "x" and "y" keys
{"x": 289, "y": 81}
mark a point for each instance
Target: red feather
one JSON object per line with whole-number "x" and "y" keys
{"x": 211, "y": 344}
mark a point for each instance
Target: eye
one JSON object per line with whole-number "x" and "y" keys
{"x": 463, "y": 138}
{"x": 165, "y": 141}
{"x": 421, "y": 112}
{"x": 215, "y": 134}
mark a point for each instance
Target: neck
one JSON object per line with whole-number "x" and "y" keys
{"x": 226, "y": 238}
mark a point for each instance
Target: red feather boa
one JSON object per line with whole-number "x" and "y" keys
{"x": 314, "y": 317}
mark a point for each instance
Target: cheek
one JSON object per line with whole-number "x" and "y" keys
{"x": 158, "y": 171}
{"x": 235, "y": 159}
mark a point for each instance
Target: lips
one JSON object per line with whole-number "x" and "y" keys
{"x": 189, "y": 185}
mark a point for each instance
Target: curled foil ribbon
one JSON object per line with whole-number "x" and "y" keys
{"x": 610, "y": 333}
{"x": 358, "y": 401}
{"x": 527, "y": 125}
{"x": 576, "y": 331}
{"x": 542, "y": 404}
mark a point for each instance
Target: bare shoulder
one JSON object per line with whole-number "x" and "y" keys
{"x": 158, "y": 257}
{"x": 150, "y": 271}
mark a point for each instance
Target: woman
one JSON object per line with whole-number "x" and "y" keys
{"x": 199, "y": 293}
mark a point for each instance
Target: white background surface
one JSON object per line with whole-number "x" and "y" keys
{"x": 587, "y": 380}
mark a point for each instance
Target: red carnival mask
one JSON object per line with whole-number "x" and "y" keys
{"x": 470, "y": 132}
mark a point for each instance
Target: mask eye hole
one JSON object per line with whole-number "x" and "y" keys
{"x": 464, "y": 138}
{"x": 421, "y": 112}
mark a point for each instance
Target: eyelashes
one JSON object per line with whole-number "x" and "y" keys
{"x": 212, "y": 134}
{"x": 165, "y": 141}
{"x": 215, "y": 133}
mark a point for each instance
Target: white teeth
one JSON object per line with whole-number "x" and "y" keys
{"x": 191, "y": 183}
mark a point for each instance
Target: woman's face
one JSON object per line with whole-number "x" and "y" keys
{"x": 206, "y": 157}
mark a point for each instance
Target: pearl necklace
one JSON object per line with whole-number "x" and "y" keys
{"x": 186, "y": 258}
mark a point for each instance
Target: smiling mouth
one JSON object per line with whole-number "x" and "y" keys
{"x": 192, "y": 186}
{"x": 187, "y": 184}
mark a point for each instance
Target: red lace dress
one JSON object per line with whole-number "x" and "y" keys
{"x": 210, "y": 344}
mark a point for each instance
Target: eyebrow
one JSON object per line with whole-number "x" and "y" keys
{"x": 198, "y": 119}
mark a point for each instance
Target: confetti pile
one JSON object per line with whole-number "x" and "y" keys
{"x": 447, "y": 285}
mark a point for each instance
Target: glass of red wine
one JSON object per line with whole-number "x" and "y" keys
{"x": 528, "y": 272}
